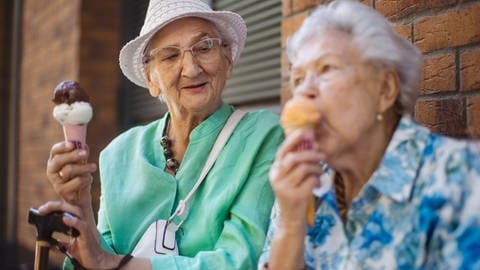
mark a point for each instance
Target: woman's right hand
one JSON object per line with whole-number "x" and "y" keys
{"x": 70, "y": 174}
{"x": 293, "y": 176}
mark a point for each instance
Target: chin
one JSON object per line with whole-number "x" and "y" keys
{"x": 203, "y": 107}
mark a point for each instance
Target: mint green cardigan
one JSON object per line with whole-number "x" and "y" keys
{"x": 229, "y": 213}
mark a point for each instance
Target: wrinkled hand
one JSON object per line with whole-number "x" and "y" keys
{"x": 70, "y": 174}
{"x": 86, "y": 248}
{"x": 293, "y": 176}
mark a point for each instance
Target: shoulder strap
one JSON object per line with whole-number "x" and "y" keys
{"x": 181, "y": 212}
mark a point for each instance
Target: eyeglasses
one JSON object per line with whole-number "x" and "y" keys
{"x": 203, "y": 51}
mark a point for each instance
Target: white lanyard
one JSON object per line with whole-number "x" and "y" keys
{"x": 181, "y": 213}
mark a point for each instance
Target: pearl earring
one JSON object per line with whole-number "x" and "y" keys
{"x": 379, "y": 117}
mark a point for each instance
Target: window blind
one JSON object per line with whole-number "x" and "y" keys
{"x": 136, "y": 104}
{"x": 257, "y": 74}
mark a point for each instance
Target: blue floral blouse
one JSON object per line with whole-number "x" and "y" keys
{"x": 419, "y": 210}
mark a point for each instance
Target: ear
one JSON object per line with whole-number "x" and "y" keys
{"x": 389, "y": 91}
{"x": 152, "y": 86}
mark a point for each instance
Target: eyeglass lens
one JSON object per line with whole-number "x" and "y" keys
{"x": 203, "y": 51}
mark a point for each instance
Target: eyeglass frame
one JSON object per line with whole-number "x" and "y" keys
{"x": 147, "y": 57}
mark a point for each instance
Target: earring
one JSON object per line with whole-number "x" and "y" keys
{"x": 379, "y": 117}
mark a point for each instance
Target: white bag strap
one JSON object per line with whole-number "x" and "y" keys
{"x": 181, "y": 212}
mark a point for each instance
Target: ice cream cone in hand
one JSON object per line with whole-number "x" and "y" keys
{"x": 300, "y": 113}
{"x": 73, "y": 111}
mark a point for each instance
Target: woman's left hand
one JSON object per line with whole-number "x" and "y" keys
{"x": 86, "y": 247}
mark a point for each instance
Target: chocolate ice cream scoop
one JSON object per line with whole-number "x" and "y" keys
{"x": 69, "y": 92}
{"x": 72, "y": 106}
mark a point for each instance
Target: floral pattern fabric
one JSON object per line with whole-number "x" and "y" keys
{"x": 419, "y": 210}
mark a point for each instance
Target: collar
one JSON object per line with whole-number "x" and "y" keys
{"x": 208, "y": 127}
{"x": 395, "y": 176}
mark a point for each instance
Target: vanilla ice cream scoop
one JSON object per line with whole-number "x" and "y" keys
{"x": 72, "y": 104}
{"x": 299, "y": 113}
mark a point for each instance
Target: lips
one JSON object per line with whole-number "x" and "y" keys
{"x": 193, "y": 87}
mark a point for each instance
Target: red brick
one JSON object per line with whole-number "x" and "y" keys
{"x": 286, "y": 93}
{"x": 439, "y": 74}
{"x": 367, "y": 2}
{"x": 396, "y": 9}
{"x": 404, "y": 30}
{"x": 470, "y": 70}
{"x": 444, "y": 116}
{"x": 285, "y": 66}
{"x": 286, "y": 7}
{"x": 300, "y": 5}
{"x": 450, "y": 29}
{"x": 473, "y": 116}
{"x": 291, "y": 24}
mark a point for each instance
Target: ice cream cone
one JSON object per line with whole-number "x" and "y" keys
{"x": 76, "y": 134}
{"x": 73, "y": 111}
{"x": 301, "y": 113}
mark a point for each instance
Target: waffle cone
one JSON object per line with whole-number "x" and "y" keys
{"x": 75, "y": 134}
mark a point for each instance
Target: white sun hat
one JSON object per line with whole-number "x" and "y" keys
{"x": 160, "y": 13}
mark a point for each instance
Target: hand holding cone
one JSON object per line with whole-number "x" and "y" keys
{"x": 301, "y": 113}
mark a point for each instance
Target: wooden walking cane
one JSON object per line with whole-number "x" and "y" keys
{"x": 42, "y": 249}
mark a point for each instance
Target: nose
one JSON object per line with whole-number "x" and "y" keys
{"x": 190, "y": 66}
{"x": 308, "y": 88}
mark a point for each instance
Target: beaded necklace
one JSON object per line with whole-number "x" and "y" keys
{"x": 340, "y": 194}
{"x": 166, "y": 143}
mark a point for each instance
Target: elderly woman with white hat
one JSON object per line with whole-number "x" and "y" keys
{"x": 389, "y": 193}
{"x": 190, "y": 190}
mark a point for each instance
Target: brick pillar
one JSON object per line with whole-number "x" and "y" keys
{"x": 62, "y": 39}
{"x": 448, "y": 34}
{"x": 50, "y": 38}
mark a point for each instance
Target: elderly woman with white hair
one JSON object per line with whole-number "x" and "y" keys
{"x": 389, "y": 194}
{"x": 190, "y": 190}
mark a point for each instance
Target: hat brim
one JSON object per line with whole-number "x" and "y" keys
{"x": 228, "y": 23}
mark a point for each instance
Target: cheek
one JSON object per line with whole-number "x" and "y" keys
{"x": 218, "y": 77}
{"x": 162, "y": 84}
{"x": 347, "y": 107}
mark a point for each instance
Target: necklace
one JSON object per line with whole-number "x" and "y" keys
{"x": 340, "y": 194}
{"x": 166, "y": 143}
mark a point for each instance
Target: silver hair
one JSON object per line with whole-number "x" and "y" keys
{"x": 376, "y": 40}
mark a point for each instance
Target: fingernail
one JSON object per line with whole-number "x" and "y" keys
{"x": 69, "y": 144}
{"x": 68, "y": 215}
{"x": 41, "y": 208}
{"x": 82, "y": 153}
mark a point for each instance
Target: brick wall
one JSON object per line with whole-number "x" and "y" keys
{"x": 50, "y": 39}
{"x": 448, "y": 34}
{"x": 62, "y": 39}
